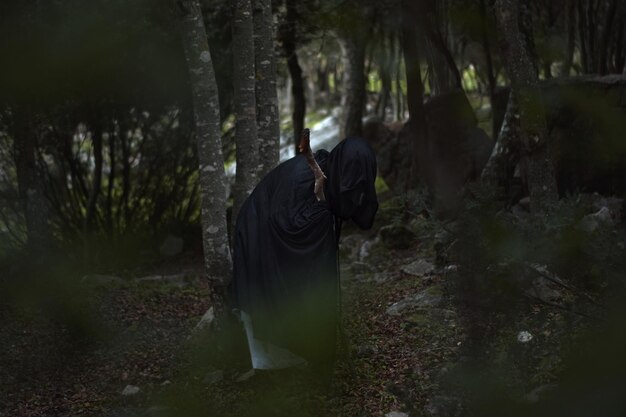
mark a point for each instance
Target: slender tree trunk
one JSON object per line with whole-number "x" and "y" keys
{"x": 111, "y": 181}
{"x": 414, "y": 94}
{"x": 352, "y": 31}
{"x": 33, "y": 201}
{"x": 620, "y": 48}
{"x": 442, "y": 62}
{"x": 603, "y": 63}
{"x": 217, "y": 258}
{"x": 288, "y": 38}
{"x": 571, "y": 38}
{"x": 123, "y": 213}
{"x": 536, "y": 164}
{"x": 491, "y": 77}
{"x": 385, "y": 65}
{"x": 266, "y": 94}
{"x": 353, "y": 99}
{"x": 246, "y": 139}
{"x": 582, "y": 33}
{"x": 96, "y": 183}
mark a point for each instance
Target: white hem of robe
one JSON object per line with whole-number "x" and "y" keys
{"x": 266, "y": 355}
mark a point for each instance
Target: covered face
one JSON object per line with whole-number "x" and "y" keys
{"x": 351, "y": 172}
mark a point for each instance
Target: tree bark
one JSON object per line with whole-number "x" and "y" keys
{"x": 30, "y": 187}
{"x": 571, "y": 38}
{"x": 353, "y": 99}
{"x": 535, "y": 162}
{"x": 96, "y": 183}
{"x": 266, "y": 94}
{"x": 288, "y": 38}
{"x": 603, "y": 63}
{"x": 111, "y": 182}
{"x": 415, "y": 92}
{"x": 491, "y": 77}
{"x": 217, "y": 259}
{"x": 246, "y": 139}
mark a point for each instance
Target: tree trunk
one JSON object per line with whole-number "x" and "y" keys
{"x": 535, "y": 162}
{"x": 266, "y": 94}
{"x": 246, "y": 139}
{"x": 505, "y": 155}
{"x": 571, "y": 38}
{"x": 603, "y": 63}
{"x": 442, "y": 62}
{"x": 217, "y": 258}
{"x": 582, "y": 33}
{"x": 111, "y": 182}
{"x": 353, "y": 100}
{"x": 96, "y": 183}
{"x": 414, "y": 94}
{"x": 491, "y": 77}
{"x": 33, "y": 201}
{"x": 288, "y": 38}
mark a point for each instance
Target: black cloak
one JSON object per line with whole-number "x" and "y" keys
{"x": 285, "y": 246}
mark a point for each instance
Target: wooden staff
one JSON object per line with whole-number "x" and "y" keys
{"x": 305, "y": 148}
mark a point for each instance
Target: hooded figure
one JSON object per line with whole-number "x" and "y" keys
{"x": 285, "y": 280}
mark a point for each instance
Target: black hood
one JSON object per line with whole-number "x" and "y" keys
{"x": 350, "y": 189}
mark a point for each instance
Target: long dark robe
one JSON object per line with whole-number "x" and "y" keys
{"x": 285, "y": 246}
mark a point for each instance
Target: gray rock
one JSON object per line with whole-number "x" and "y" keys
{"x": 362, "y": 268}
{"x": 101, "y": 280}
{"x": 541, "y": 289}
{"x": 443, "y": 406}
{"x": 418, "y": 268}
{"x": 397, "y": 236}
{"x": 613, "y": 204}
{"x": 381, "y": 277}
{"x": 524, "y": 203}
{"x": 396, "y": 414}
{"x": 206, "y": 322}
{"x": 366, "y": 350}
{"x": 171, "y": 246}
{"x": 213, "y": 377}
{"x": 245, "y": 376}
{"x": 350, "y": 246}
{"x": 540, "y": 393}
{"x": 430, "y": 297}
{"x": 176, "y": 280}
{"x": 158, "y": 411}
{"x": 367, "y": 247}
{"x": 130, "y": 390}
{"x": 592, "y": 222}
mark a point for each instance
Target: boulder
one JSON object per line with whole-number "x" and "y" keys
{"x": 454, "y": 151}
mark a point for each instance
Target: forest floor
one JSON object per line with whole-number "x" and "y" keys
{"x": 125, "y": 334}
{"x": 107, "y": 346}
